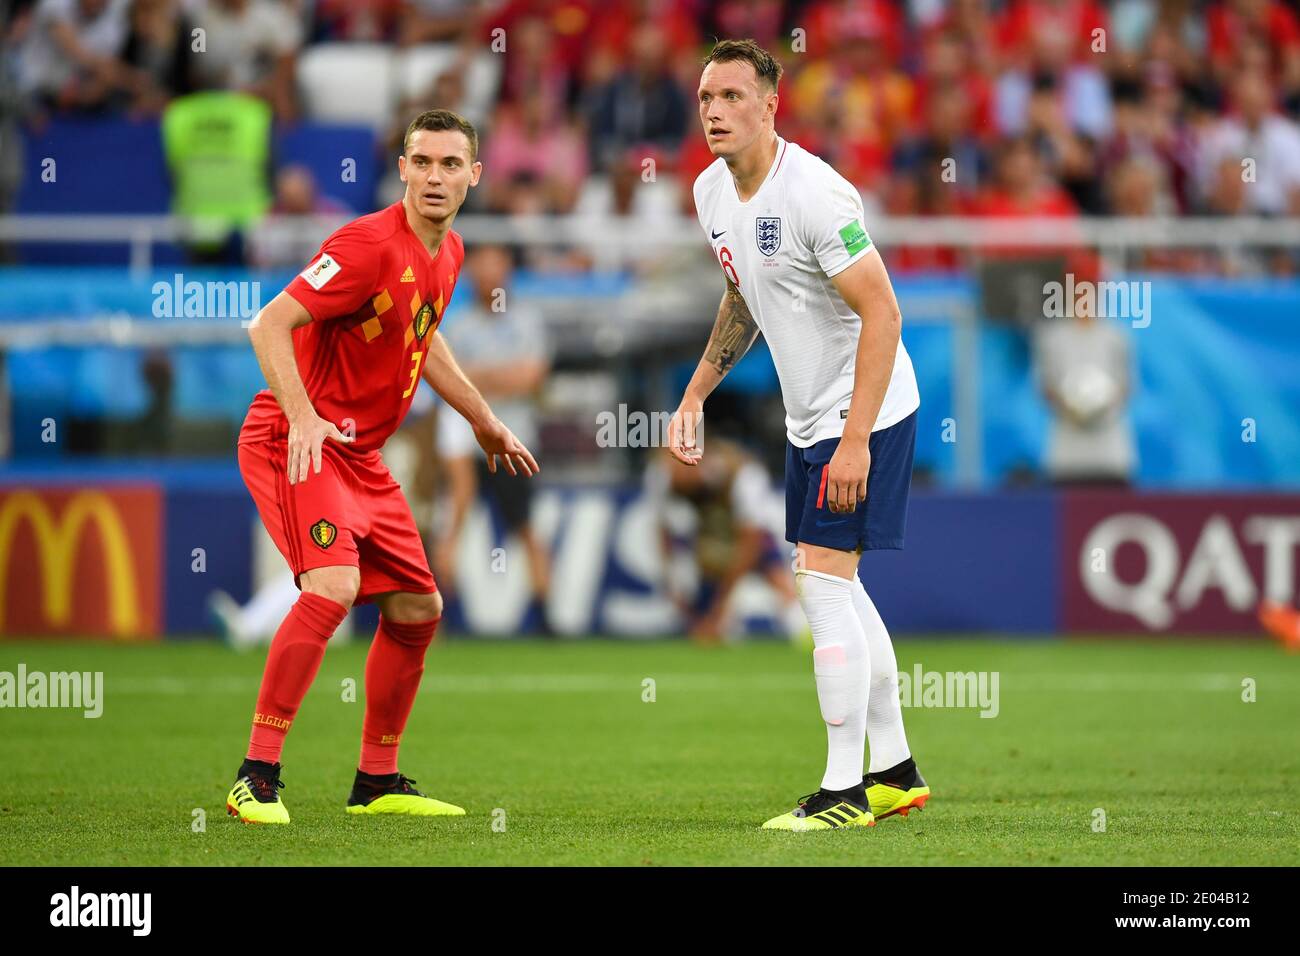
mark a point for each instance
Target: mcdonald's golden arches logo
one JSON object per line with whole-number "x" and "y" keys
{"x": 89, "y": 564}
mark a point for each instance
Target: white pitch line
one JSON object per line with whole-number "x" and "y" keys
{"x": 1013, "y": 683}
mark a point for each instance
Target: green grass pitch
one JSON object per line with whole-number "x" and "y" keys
{"x": 556, "y": 743}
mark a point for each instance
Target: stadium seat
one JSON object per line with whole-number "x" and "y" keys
{"x": 349, "y": 82}
{"x": 421, "y": 65}
{"x": 129, "y": 178}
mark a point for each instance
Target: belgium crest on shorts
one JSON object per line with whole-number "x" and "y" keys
{"x": 324, "y": 533}
{"x": 423, "y": 319}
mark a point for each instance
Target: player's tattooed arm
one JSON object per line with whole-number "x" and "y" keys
{"x": 734, "y": 331}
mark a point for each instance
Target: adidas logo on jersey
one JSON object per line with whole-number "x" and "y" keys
{"x": 408, "y": 275}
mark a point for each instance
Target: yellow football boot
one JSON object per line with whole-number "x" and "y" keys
{"x": 825, "y": 810}
{"x": 900, "y": 797}
{"x": 394, "y": 793}
{"x": 255, "y": 797}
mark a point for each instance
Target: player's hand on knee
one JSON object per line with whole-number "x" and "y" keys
{"x": 846, "y": 478}
{"x": 684, "y": 442}
{"x": 305, "y": 440}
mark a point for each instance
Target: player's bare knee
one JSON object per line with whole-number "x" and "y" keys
{"x": 339, "y": 584}
{"x": 832, "y": 561}
{"x": 410, "y": 608}
{"x": 429, "y": 606}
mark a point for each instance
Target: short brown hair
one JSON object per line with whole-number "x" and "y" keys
{"x": 438, "y": 120}
{"x": 764, "y": 64}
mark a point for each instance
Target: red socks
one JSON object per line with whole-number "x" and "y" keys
{"x": 393, "y": 671}
{"x": 291, "y": 666}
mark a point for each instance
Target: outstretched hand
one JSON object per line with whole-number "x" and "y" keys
{"x": 498, "y": 441}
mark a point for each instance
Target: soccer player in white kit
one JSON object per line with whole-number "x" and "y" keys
{"x": 788, "y": 233}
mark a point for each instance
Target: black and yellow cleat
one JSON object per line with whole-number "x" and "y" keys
{"x": 255, "y": 797}
{"x": 898, "y": 790}
{"x": 826, "y": 810}
{"x": 394, "y": 793}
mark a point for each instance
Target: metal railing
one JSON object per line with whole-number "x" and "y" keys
{"x": 617, "y": 241}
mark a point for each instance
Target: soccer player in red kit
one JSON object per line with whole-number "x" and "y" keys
{"x": 343, "y": 348}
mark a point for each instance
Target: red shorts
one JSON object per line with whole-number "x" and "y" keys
{"x": 353, "y": 513}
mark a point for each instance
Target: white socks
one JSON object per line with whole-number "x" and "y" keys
{"x": 884, "y": 713}
{"x": 842, "y": 669}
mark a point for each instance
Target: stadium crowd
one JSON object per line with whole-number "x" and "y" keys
{"x": 932, "y": 107}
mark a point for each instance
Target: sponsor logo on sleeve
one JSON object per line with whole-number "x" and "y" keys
{"x": 321, "y": 271}
{"x": 854, "y": 237}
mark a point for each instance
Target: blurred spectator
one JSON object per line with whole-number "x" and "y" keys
{"x": 947, "y": 134}
{"x": 1082, "y": 366}
{"x": 1070, "y": 155}
{"x": 158, "y": 51}
{"x": 973, "y": 23}
{"x": 1137, "y": 187}
{"x": 938, "y": 174}
{"x": 856, "y": 101}
{"x": 1230, "y": 196}
{"x": 1012, "y": 276}
{"x": 502, "y": 346}
{"x": 1265, "y": 145}
{"x": 641, "y": 108}
{"x": 272, "y": 243}
{"x": 249, "y": 46}
{"x": 760, "y": 20}
{"x": 1148, "y": 125}
{"x": 1050, "y": 31}
{"x": 833, "y": 24}
{"x": 540, "y": 249}
{"x": 1233, "y": 24}
{"x": 524, "y": 145}
{"x": 678, "y": 20}
{"x": 535, "y": 60}
{"x": 358, "y": 21}
{"x": 719, "y": 522}
{"x": 1048, "y": 49}
{"x": 947, "y": 66}
{"x": 1022, "y": 187}
{"x": 217, "y": 147}
{"x": 436, "y": 21}
{"x": 70, "y": 59}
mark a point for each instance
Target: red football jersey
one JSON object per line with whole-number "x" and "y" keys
{"x": 375, "y": 298}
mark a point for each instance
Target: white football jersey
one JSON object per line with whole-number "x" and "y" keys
{"x": 803, "y": 226}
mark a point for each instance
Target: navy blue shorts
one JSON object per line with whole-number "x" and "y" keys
{"x": 876, "y": 524}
